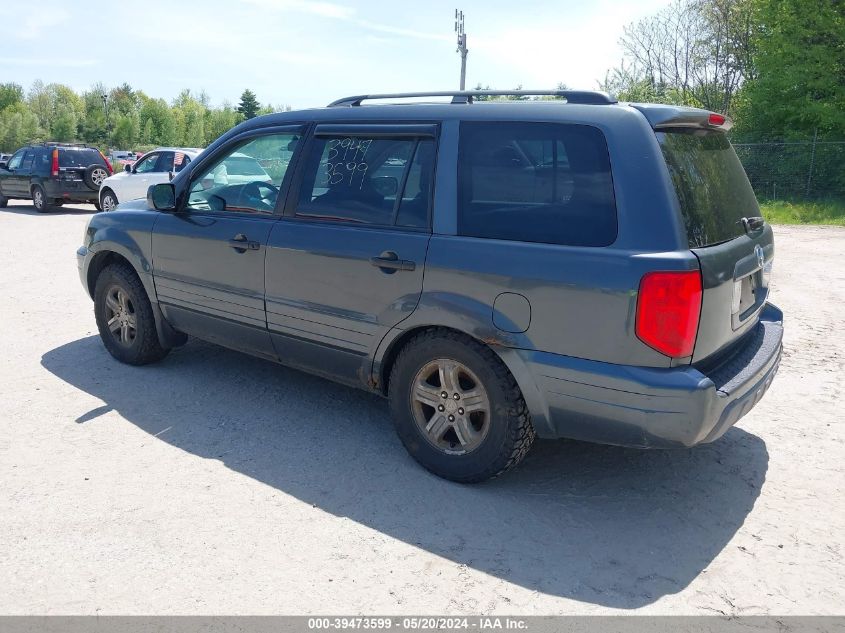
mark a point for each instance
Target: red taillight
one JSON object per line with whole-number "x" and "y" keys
{"x": 54, "y": 167}
{"x": 108, "y": 164}
{"x": 668, "y": 308}
{"x": 716, "y": 119}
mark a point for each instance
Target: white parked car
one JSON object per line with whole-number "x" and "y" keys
{"x": 152, "y": 168}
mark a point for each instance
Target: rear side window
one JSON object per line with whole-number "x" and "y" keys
{"x": 535, "y": 182}
{"x": 713, "y": 190}
{"x": 79, "y": 157}
{"x": 28, "y": 160}
{"x": 376, "y": 181}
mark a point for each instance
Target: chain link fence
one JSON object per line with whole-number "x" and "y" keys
{"x": 803, "y": 170}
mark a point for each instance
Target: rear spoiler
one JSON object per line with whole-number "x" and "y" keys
{"x": 663, "y": 117}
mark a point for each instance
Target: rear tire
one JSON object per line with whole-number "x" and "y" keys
{"x": 491, "y": 436}
{"x": 125, "y": 317}
{"x": 39, "y": 199}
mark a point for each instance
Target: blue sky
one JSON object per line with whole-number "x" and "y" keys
{"x": 305, "y": 53}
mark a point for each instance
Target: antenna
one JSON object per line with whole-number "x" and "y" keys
{"x": 462, "y": 45}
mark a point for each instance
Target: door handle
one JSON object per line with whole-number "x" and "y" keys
{"x": 242, "y": 244}
{"x": 389, "y": 261}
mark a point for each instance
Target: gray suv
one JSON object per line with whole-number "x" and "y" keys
{"x": 500, "y": 270}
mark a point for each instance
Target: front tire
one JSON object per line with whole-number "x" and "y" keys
{"x": 479, "y": 429}
{"x": 108, "y": 201}
{"x": 4, "y": 201}
{"x": 39, "y": 199}
{"x": 125, "y": 317}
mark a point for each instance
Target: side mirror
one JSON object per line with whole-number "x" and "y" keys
{"x": 162, "y": 197}
{"x": 127, "y": 168}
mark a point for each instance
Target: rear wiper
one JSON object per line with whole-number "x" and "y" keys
{"x": 752, "y": 224}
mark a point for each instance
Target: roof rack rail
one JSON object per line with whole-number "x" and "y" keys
{"x": 60, "y": 144}
{"x": 467, "y": 96}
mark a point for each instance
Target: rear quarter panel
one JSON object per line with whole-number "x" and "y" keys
{"x": 582, "y": 299}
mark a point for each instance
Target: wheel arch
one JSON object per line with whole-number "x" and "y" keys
{"x": 111, "y": 254}
{"x": 106, "y": 190}
{"x": 512, "y": 358}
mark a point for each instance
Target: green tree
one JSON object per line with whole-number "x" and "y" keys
{"x": 800, "y": 71}
{"x": 10, "y": 94}
{"x": 249, "y": 105}
{"x": 64, "y": 125}
{"x": 147, "y": 134}
{"x": 220, "y": 121}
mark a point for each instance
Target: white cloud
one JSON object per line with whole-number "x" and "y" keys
{"x": 395, "y": 30}
{"x": 34, "y": 25}
{"x": 324, "y": 9}
{"x": 50, "y": 62}
{"x": 343, "y": 13}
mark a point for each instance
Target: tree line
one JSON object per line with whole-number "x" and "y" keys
{"x": 120, "y": 117}
{"x": 777, "y": 67}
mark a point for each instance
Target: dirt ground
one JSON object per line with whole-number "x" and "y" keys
{"x": 215, "y": 483}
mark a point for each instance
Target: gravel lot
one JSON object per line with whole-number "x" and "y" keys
{"x": 217, "y": 483}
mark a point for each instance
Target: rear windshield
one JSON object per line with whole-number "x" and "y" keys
{"x": 243, "y": 166}
{"x": 79, "y": 157}
{"x": 711, "y": 184}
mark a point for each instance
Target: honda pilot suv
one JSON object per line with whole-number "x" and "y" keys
{"x": 499, "y": 270}
{"x": 51, "y": 174}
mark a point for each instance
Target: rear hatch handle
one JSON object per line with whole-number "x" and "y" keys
{"x": 752, "y": 224}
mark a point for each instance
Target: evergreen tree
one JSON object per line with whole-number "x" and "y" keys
{"x": 249, "y": 105}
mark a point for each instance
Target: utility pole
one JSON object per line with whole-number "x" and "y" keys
{"x": 462, "y": 45}
{"x": 105, "y": 99}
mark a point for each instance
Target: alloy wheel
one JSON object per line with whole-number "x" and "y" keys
{"x": 120, "y": 316}
{"x": 450, "y": 406}
{"x": 98, "y": 176}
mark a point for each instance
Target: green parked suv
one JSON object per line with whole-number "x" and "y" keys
{"x": 51, "y": 174}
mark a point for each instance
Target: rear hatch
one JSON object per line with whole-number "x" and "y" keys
{"x": 73, "y": 161}
{"x": 724, "y": 228}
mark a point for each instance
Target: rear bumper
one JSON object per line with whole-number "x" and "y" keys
{"x": 72, "y": 191}
{"x": 650, "y": 407}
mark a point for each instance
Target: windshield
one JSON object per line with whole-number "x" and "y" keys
{"x": 713, "y": 190}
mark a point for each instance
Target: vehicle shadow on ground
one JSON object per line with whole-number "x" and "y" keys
{"x": 610, "y": 526}
{"x": 20, "y": 209}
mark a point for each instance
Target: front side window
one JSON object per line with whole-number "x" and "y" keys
{"x": 247, "y": 179}
{"x": 15, "y": 161}
{"x": 146, "y": 164}
{"x": 180, "y": 161}
{"x": 165, "y": 162}
{"x": 535, "y": 182}
{"x": 363, "y": 180}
